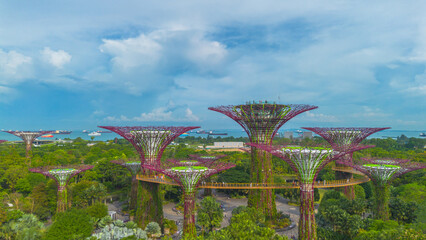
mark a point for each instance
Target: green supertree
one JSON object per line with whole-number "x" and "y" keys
{"x": 381, "y": 173}
{"x": 62, "y": 175}
{"x": 261, "y": 121}
{"x": 189, "y": 177}
{"x": 306, "y": 163}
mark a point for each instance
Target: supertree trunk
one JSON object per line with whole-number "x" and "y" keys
{"x": 381, "y": 202}
{"x": 133, "y": 193}
{"x": 189, "y": 230}
{"x": 62, "y": 199}
{"x": 261, "y": 172}
{"x": 349, "y": 191}
{"x": 307, "y": 226}
{"x": 149, "y": 204}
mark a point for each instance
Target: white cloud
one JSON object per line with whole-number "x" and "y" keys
{"x": 56, "y": 58}
{"x": 318, "y": 117}
{"x": 14, "y": 67}
{"x": 169, "y": 113}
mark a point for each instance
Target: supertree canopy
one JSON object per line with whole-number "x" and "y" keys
{"x": 150, "y": 143}
{"x": 261, "y": 121}
{"x": 134, "y": 167}
{"x": 204, "y": 157}
{"x": 61, "y": 175}
{"x": 306, "y": 163}
{"x": 381, "y": 173}
{"x": 345, "y": 139}
{"x": 189, "y": 177}
{"x": 28, "y": 137}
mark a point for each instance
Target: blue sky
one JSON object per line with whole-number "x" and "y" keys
{"x": 79, "y": 64}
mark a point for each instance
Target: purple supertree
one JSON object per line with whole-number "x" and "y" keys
{"x": 150, "y": 143}
{"x": 203, "y": 157}
{"x": 345, "y": 139}
{"x": 134, "y": 167}
{"x": 306, "y": 162}
{"x": 2, "y": 141}
{"x": 261, "y": 122}
{"x": 28, "y": 137}
{"x": 61, "y": 175}
{"x": 381, "y": 172}
{"x": 189, "y": 177}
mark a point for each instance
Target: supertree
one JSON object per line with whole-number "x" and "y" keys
{"x": 306, "y": 163}
{"x": 203, "y": 157}
{"x": 261, "y": 122}
{"x": 382, "y": 172}
{"x": 345, "y": 139}
{"x": 61, "y": 175}
{"x": 150, "y": 143}
{"x": 28, "y": 137}
{"x": 134, "y": 167}
{"x": 189, "y": 177}
{"x": 2, "y": 141}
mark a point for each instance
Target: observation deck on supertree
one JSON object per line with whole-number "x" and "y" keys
{"x": 28, "y": 137}
{"x": 203, "y": 157}
{"x": 261, "y": 121}
{"x": 134, "y": 167}
{"x": 345, "y": 139}
{"x": 150, "y": 142}
{"x": 189, "y": 177}
{"x": 61, "y": 175}
{"x": 382, "y": 171}
{"x": 306, "y": 162}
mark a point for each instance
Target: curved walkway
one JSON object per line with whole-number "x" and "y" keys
{"x": 217, "y": 185}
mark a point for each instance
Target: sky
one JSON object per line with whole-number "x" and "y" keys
{"x": 79, "y": 64}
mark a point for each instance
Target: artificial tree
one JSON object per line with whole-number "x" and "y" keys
{"x": 189, "y": 177}
{"x": 345, "y": 139}
{"x": 150, "y": 142}
{"x": 28, "y": 138}
{"x": 261, "y": 121}
{"x": 381, "y": 172}
{"x": 61, "y": 175}
{"x": 203, "y": 157}
{"x": 306, "y": 162}
{"x": 134, "y": 167}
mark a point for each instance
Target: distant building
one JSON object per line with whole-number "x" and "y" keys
{"x": 307, "y": 135}
{"x": 288, "y": 135}
{"x": 226, "y": 145}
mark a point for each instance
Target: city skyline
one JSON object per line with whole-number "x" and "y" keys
{"x": 78, "y": 65}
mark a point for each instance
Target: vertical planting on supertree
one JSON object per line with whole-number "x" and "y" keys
{"x": 28, "y": 138}
{"x": 345, "y": 139}
{"x": 134, "y": 167}
{"x": 306, "y": 163}
{"x": 381, "y": 173}
{"x": 61, "y": 175}
{"x": 261, "y": 121}
{"x": 189, "y": 177}
{"x": 150, "y": 143}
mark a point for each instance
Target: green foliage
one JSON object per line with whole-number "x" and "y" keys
{"x": 238, "y": 174}
{"x": 411, "y": 192}
{"x": 153, "y": 229}
{"x": 97, "y": 210}
{"x": 384, "y": 230}
{"x": 86, "y": 193}
{"x": 169, "y": 225}
{"x": 359, "y": 192}
{"x": 118, "y": 230}
{"x": 72, "y": 224}
{"x": 248, "y": 224}
{"x": 401, "y": 211}
{"x": 27, "y": 227}
{"x": 209, "y": 214}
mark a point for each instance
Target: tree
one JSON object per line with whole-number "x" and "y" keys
{"x": 153, "y": 230}
{"x": 70, "y": 225}
{"x": 401, "y": 211}
{"x": 27, "y": 227}
{"x": 97, "y": 210}
{"x": 209, "y": 214}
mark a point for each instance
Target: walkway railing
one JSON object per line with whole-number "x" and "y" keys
{"x": 347, "y": 169}
{"x": 217, "y": 185}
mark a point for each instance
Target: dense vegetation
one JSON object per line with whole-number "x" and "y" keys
{"x": 28, "y": 200}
